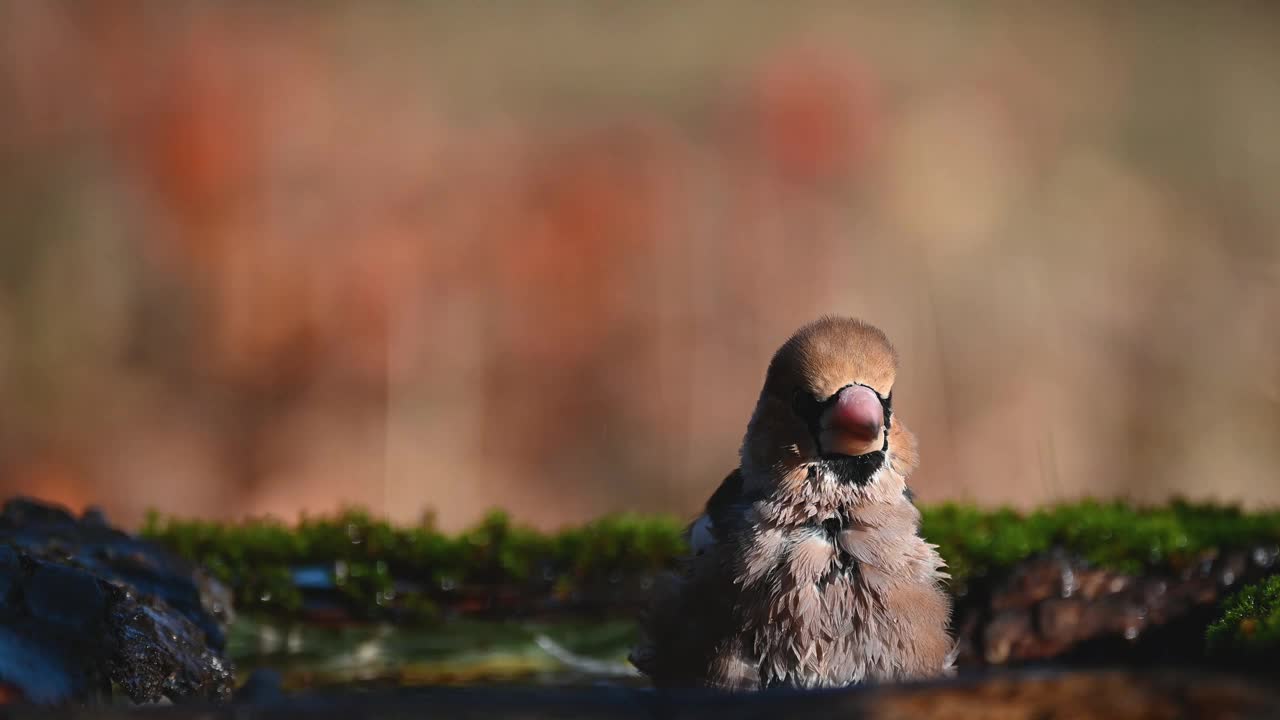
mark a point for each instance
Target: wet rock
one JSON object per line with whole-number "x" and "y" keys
{"x": 1065, "y": 618}
{"x": 65, "y": 596}
{"x": 1058, "y": 607}
{"x": 1003, "y": 635}
{"x": 40, "y": 670}
{"x": 52, "y": 533}
{"x": 85, "y": 608}
{"x": 158, "y": 654}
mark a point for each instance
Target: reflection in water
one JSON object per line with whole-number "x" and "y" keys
{"x": 563, "y": 653}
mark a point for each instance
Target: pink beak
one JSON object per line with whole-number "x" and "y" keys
{"x": 855, "y": 420}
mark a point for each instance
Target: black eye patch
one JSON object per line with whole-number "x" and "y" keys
{"x": 810, "y": 409}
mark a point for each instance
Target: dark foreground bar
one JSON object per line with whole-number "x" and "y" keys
{"x": 1152, "y": 695}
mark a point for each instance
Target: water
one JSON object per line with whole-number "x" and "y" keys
{"x": 567, "y": 653}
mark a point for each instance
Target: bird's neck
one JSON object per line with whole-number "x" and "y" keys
{"x": 813, "y": 493}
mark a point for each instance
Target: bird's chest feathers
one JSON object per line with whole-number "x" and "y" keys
{"x": 783, "y": 553}
{"x": 797, "y": 584}
{"x": 793, "y": 566}
{"x": 815, "y": 595}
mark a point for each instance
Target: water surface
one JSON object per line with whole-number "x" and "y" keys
{"x": 460, "y": 652}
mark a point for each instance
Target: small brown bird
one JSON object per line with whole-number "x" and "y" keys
{"x": 807, "y": 568}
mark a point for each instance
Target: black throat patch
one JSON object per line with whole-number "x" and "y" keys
{"x": 854, "y": 469}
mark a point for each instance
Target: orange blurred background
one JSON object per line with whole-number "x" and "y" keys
{"x": 268, "y": 258}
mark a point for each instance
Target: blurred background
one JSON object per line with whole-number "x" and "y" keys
{"x": 445, "y": 256}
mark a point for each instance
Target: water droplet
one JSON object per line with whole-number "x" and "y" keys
{"x": 1264, "y": 557}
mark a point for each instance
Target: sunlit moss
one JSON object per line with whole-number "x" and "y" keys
{"x": 1250, "y": 621}
{"x": 1115, "y": 535}
{"x": 410, "y": 570}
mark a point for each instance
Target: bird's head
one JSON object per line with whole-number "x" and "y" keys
{"x": 827, "y": 403}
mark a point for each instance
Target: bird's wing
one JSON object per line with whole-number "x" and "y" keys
{"x": 688, "y": 635}
{"x": 722, "y": 513}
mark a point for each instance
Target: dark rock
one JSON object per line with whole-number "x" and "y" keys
{"x": 1064, "y": 618}
{"x": 50, "y": 532}
{"x": 9, "y": 567}
{"x": 1004, "y": 634}
{"x": 40, "y": 669}
{"x": 157, "y": 653}
{"x": 26, "y": 512}
{"x": 65, "y": 596}
{"x": 1055, "y": 606}
{"x": 85, "y": 607}
{"x": 94, "y": 516}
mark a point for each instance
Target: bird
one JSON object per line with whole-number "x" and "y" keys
{"x": 807, "y": 568}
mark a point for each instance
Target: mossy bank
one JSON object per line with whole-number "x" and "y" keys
{"x": 367, "y": 567}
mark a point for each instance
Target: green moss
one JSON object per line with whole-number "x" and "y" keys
{"x": 1250, "y": 621}
{"x": 371, "y": 560}
{"x": 1116, "y": 535}
{"x": 364, "y": 557}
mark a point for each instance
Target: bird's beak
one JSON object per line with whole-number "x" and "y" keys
{"x": 853, "y": 424}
